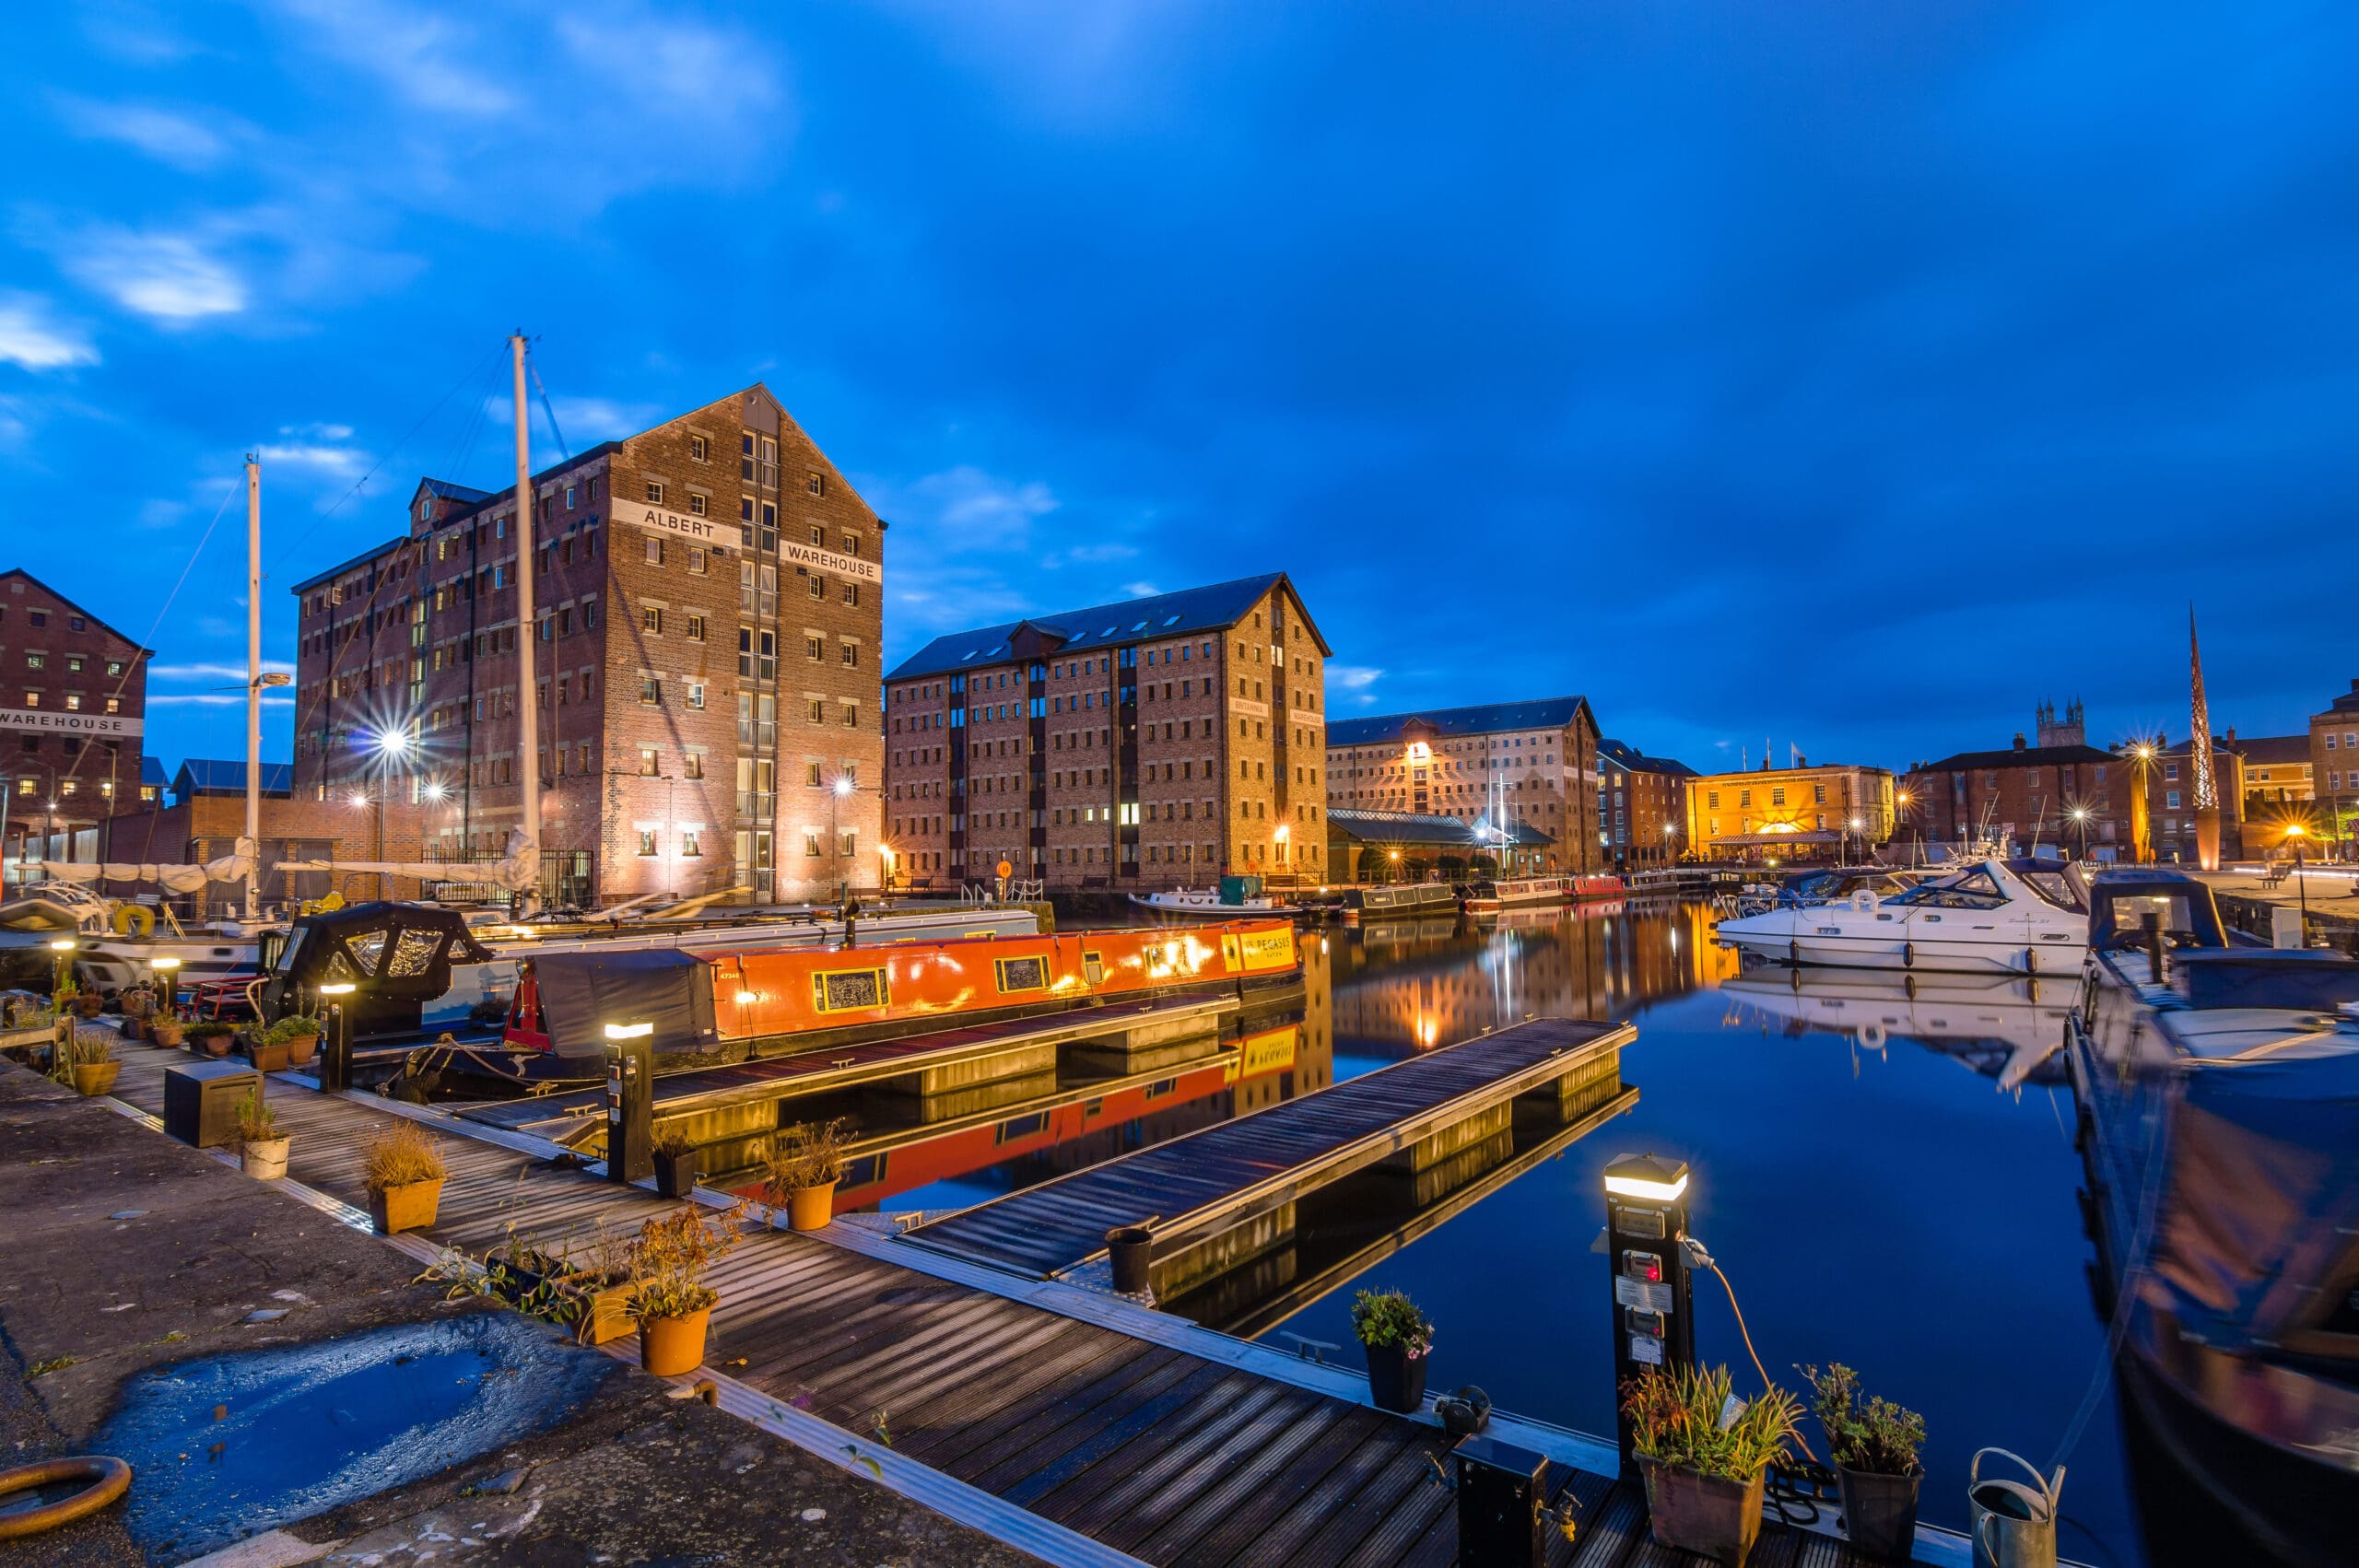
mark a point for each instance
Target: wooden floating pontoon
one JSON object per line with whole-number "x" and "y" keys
{"x": 1226, "y": 1175}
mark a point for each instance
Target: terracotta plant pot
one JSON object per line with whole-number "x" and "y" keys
{"x": 267, "y": 1057}
{"x": 88, "y": 1004}
{"x": 167, "y": 1035}
{"x": 264, "y": 1159}
{"x": 1879, "y": 1513}
{"x": 669, "y": 1346}
{"x": 217, "y": 1044}
{"x": 410, "y": 1207}
{"x": 134, "y": 1028}
{"x": 1710, "y": 1515}
{"x": 810, "y": 1208}
{"x": 605, "y": 1314}
{"x": 301, "y": 1048}
{"x": 95, "y": 1078}
{"x": 1396, "y": 1381}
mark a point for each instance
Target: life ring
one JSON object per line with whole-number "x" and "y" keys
{"x": 108, "y": 1478}
{"x": 134, "y": 921}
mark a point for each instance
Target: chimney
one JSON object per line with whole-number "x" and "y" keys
{"x": 2019, "y": 740}
{"x": 1800, "y": 761}
{"x": 2232, "y": 736}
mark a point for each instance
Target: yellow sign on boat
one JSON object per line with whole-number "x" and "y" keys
{"x": 1258, "y": 952}
{"x": 1269, "y": 1051}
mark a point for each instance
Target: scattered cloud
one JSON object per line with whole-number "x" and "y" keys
{"x": 184, "y": 141}
{"x": 160, "y": 513}
{"x": 169, "y": 278}
{"x": 1357, "y": 682}
{"x": 212, "y": 671}
{"x": 693, "y": 76}
{"x": 316, "y": 456}
{"x": 32, "y": 337}
{"x": 1141, "y": 589}
{"x": 215, "y": 699}
{"x": 410, "y": 50}
{"x": 1092, "y": 554}
{"x": 584, "y": 421}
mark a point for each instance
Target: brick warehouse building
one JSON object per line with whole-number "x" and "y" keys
{"x": 1641, "y": 805}
{"x": 1156, "y": 743}
{"x": 72, "y": 707}
{"x": 2070, "y": 796}
{"x": 709, "y": 608}
{"x": 1543, "y": 754}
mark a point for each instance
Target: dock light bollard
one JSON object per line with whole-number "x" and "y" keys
{"x": 1502, "y": 1505}
{"x": 335, "y": 1051}
{"x": 1654, "y": 1317}
{"x": 631, "y": 1102}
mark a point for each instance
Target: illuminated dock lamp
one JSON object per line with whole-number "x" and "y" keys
{"x": 631, "y": 1102}
{"x": 1654, "y": 1318}
{"x": 166, "y": 971}
{"x": 63, "y": 947}
{"x": 335, "y": 1050}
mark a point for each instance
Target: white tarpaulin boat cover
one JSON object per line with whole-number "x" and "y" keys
{"x": 171, "y": 877}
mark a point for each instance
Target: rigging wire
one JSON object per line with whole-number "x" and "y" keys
{"x": 549, "y": 409}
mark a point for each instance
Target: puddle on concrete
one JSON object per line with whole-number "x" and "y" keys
{"x": 228, "y": 1447}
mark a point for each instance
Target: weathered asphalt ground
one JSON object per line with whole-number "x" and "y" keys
{"x": 91, "y": 1300}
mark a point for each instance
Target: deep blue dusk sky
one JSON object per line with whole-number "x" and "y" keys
{"x": 1855, "y": 375}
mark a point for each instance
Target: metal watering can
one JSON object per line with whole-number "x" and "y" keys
{"x": 2014, "y": 1525}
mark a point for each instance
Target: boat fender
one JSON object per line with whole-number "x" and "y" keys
{"x": 105, "y": 1479}
{"x": 2031, "y": 961}
{"x": 135, "y": 920}
{"x": 1908, "y": 955}
{"x": 1794, "y": 953}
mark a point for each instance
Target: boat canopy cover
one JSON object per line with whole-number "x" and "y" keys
{"x": 582, "y": 992}
{"x": 2259, "y": 1232}
{"x": 2297, "y": 979}
{"x": 389, "y": 950}
{"x": 2119, "y": 899}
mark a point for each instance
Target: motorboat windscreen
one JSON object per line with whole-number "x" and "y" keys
{"x": 2119, "y": 902}
{"x": 1973, "y": 888}
{"x": 2053, "y": 881}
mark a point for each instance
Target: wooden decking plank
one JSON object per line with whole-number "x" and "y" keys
{"x": 1218, "y": 1496}
{"x": 1075, "y": 1363}
{"x": 1345, "y": 1505}
{"x": 1097, "y": 1500}
{"x": 1142, "y": 1517}
{"x": 1588, "y": 1491}
{"x": 968, "y": 1371}
{"x": 1272, "y": 1496}
{"x": 1619, "y": 1528}
{"x": 1152, "y": 1422}
{"x": 1045, "y": 1450}
{"x": 1410, "y": 1519}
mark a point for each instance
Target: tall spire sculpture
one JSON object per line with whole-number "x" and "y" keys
{"x": 2206, "y": 787}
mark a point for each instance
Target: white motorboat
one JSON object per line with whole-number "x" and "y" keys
{"x": 1493, "y": 895}
{"x": 2003, "y": 1026}
{"x": 1207, "y": 901}
{"x": 2023, "y": 917}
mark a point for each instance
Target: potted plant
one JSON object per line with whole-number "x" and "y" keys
{"x": 86, "y": 1004}
{"x": 1398, "y": 1338}
{"x": 212, "y": 1035}
{"x": 261, "y": 1148}
{"x": 299, "y": 1035}
{"x": 88, "y": 1060}
{"x": 138, "y": 1003}
{"x": 669, "y": 1300}
{"x": 403, "y": 1172}
{"x": 1873, "y": 1445}
{"x": 675, "y": 1164}
{"x": 804, "y": 1164}
{"x": 1704, "y": 1453}
{"x": 586, "y": 1289}
{"x": 165, "y": 1029}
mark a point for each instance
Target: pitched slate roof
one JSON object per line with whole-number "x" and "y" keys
{"x": 152, "y": 772}
{"x": 213, "y": 776}
{"x": 1639, "y": 762}
{"x": 1418, "y": 828}
{"x": 2274, "y": 750}
{"x": 1214, "y": 607}
{"x": 1541, "y": 713}
{"x": 2029, "y": 756}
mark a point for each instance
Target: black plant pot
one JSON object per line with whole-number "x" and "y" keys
{"x": 1396, "y": 1381}
{"x": 676, "y": 1175}
{"x": 1879, "y": 1513}
{"x": 1130, "y": 1249}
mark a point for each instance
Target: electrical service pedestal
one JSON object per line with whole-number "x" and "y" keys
{"x": 631, "y": 1109}
{"x": 1654, "y": 1317}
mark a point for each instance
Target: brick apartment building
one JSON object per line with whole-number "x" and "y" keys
{"x": 1157, "y": 742}
{"x": 708, "y": 593}
{"x": 2334, "y": 770}
{"x": 1789, "y": 813}
{"x": 72, "y": 707}
{"x": 2065, "y": 795}
{"x": 1536, "y": 762}
{"x": 1641, "y": 805}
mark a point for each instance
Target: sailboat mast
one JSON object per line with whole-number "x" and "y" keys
{"x": 528, "y": 715}
{"x": 253, "y": 687}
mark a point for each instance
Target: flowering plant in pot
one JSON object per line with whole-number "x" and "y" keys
{"x": 1398, "y": 1338}
{"x": 802, "y": 1168}
{"x": 403, "y": 1172}
{"x": 166, "y": 1029}
{"x": 669, "y": 1300}
{"x": 261, "y": 1148}
{"x": 1874, "y": 1445}
{"x": 299, "y": 1034}
{"x": 212, "y": 1035}
{"x": 88, "y": 1057}
{"x": 1704, "y": 1453}
{"x": 675, "y": 1164}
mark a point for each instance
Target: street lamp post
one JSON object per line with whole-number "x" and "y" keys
{"x": 2294, "y": 834}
